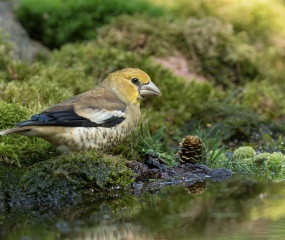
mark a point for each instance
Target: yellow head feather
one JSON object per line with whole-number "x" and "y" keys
{"x": 121, "y": 83}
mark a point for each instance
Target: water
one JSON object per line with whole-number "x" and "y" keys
{"x": 234, "y": 209}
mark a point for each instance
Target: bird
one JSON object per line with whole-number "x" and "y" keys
{"x": 97, "y": 119}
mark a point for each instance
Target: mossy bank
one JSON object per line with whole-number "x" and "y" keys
{"x": 239, "y": 102}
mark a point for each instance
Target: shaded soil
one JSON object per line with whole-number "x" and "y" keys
{"x": 179, "y": 65}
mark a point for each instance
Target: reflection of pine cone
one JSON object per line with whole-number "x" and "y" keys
{"x": 190, "y": 150}
{"x": 197, "y": 188}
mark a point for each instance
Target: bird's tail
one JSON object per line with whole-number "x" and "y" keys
{"x": 20, "y": 130}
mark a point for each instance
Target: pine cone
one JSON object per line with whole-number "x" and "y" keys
{"x": 190, "y": 150}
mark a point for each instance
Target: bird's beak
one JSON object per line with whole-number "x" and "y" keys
{"x": 150, "y": 89}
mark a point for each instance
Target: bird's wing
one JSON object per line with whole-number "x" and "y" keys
{"x": 95, "y": 108}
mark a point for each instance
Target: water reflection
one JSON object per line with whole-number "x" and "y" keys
{"x": 234, "y": 209}
{"x": 122, "y": 229}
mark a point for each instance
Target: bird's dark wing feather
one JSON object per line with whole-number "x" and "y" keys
{"x": 95, "y": 108}
{"x": 70, "y": 118}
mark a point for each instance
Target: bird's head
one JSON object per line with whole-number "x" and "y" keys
{"x": 132, "y": 85}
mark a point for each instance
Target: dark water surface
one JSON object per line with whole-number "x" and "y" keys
{"x": 234, "y": 209}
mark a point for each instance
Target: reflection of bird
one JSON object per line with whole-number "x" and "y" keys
{"x": 97, "y": 119}
{"x": 122, "y": 229}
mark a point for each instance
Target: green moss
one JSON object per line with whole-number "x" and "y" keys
{"x": 265, "y": 98}
{"x": 211, "y": 45}
{"x": 16, "y": 149}
{"x": 217, "y": 52}
{"x": 10, "y": 177}
{"x": 11, "y": 113}
{"x": 276, "y": 162}
{"x": 136, "y": 33}
{"x": 40, "y": 86}
{"x": 273, "y": 165}
{"x": 261, "y": 19}
{"x": 35, "y": 95}
{"x": 261, "y": 158}
{"x": 17, "y": 70}
{"x": 179, "y": 100}
{"x": 19, "y": 150}
{"x": 64, "y": 178}
{"x": 79, "y": 171}
{"x": 5, "y": 54}
{"x": 94, "y": 60}
{"x": 236, "y": 123}
{"x": 244, "y": 152}
{"x": 270, "y": 166}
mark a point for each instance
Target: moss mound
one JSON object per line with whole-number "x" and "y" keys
{"x": 212, "y": 47}
{"x": 235, "y": 124}
{"x": 261, "y": 19}
{"x": 64, "y": 177}
{"x": 245, "y": 160}
{"x": 137, "y": 33}
{"x": 265, "y": 98}
{"x": 80, "y": 171}
{"x": 219, "y": 53}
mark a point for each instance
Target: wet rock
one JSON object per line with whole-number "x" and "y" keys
{"x": 220, "y": 174}
{"x": 23, "y": 47}
{"x": 154, "y": 173}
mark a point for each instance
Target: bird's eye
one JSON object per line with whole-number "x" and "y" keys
{"x": 134, "y": 80}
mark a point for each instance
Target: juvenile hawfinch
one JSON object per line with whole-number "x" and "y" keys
{"x": 97, "y": 119}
